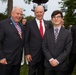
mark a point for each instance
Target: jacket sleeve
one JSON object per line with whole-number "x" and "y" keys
{"x": 27, "y": 36}
{"x": 45, "y": 48}
{"x": 1, "y": 40}
{"x": 67, "y": 49}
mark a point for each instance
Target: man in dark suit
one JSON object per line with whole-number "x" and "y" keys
{"x": 56, "y": 46}
{"x": 11, "y": 43}
{"x": 33, "y": 42}
{"x": 72, "y": 57}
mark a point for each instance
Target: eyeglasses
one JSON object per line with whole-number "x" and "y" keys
{"x": 57, "y": 17}
{"x": 23, "y": 21}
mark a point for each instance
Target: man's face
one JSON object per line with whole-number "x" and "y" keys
{"x": 39, "y": 13}
{"x": 57, "y": 19}
{"x": 17, "y": 15}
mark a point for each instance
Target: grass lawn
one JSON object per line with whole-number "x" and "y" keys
{"x": 24, "y": 70}
{"x": 74, "y": 72}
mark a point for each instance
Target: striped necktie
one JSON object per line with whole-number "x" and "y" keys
{"x": 56, "y": 34}
{"x": 19, "y": 30}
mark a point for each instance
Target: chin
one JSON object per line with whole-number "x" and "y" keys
{"x": 57, "y": 23}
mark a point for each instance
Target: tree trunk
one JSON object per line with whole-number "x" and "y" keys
{"x": 10, "y": 6}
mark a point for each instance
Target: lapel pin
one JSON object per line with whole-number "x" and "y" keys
{"x": 11, "y": 23}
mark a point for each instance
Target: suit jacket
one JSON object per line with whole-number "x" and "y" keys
{"x": 73, "y": 30}
{"x": 10, "y": 42}
{"x": 59, "y": 50}
{"x": 33, "y": 40}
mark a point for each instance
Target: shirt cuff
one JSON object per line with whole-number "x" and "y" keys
{"x": 57, "y": 61}
{"x": 51, "y": 59}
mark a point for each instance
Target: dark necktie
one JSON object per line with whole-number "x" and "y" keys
{"x": 19, "y": 30}
{"x": 41, "y": 29}
{"x": 56, "y": 34}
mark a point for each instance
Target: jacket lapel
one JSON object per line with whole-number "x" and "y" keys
{"x": 36, "y": 28}
{"x": 60, "y": 34}
{"x": 52, "y": 36}
{"x": 14, "y": 28}
{"x": 45, "y": 24}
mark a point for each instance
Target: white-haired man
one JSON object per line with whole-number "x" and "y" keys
{"x": 11, "y": 43}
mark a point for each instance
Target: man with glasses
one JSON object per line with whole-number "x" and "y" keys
{"x": 56, "y": 46}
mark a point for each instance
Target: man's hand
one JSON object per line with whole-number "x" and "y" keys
{"x": 29, "y": 58}
{"x": 3, "y": 61}
{"x": 54, "y": 62}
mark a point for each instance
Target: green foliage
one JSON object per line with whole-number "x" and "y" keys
{"x": 74, "y": 71}
{"x": 29, "y": 17}
{"x": 4, "y": 1}
{"x": 27, "y": 1}
{"x": 50, "y": 23}
{"x": 69, "y": 8}
{"x": 3, "y": 16}
{"x": 10, "y": 5}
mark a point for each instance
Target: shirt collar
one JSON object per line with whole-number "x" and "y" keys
{"x": 13, "y": 21}
{"x": 38, "y": 20}
{"x": 57, "y": 28}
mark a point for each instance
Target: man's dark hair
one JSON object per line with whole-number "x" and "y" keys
{"x": 56, "y": 12}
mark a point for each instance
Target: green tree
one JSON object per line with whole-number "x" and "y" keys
{"x": 10, "y": 5}
{"x": 29, "y": 17}
{"x": 68, "y": 7}
{"x": 2, "y": 16}
{"x": 27, "y": 1}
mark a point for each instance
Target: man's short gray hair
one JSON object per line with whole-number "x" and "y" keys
{"x": 16, "y": 7}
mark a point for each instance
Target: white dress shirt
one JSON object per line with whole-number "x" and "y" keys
{"x": 38, "y": 24}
